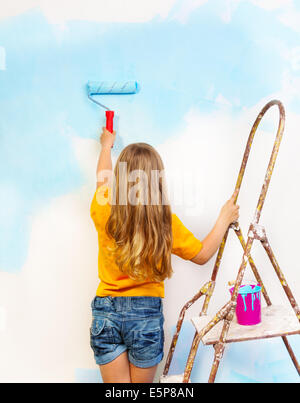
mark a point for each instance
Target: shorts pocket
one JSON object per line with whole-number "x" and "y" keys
{"x": 101, "y": 336}
{"x": 146, "y": 344}
{"x": 97, "y": 326}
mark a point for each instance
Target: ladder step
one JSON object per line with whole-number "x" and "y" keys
{"x": 172, "y": 379}
{"x": 275, "y": 321}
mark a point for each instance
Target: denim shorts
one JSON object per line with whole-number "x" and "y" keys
{"x": 128, "y": 323}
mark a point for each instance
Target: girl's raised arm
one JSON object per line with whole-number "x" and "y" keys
{"x": 104, "y": 166}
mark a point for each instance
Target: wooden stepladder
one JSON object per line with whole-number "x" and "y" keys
{"x": 223, "y": 328}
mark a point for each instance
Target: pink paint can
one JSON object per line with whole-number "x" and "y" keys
{"x": 248, "y": 308}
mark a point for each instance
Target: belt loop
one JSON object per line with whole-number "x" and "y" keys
{"x": 113, "y": 302}
{"x": 129, "y": 304}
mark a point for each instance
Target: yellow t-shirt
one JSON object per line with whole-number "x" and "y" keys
{"x": 113, "y": 281}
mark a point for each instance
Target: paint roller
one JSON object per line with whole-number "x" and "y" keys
{"x": 95, "y": 88}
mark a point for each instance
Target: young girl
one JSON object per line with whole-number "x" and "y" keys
{"x": 137, "y": 233}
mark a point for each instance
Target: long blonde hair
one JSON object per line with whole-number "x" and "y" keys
{"x": 141, "y": 228}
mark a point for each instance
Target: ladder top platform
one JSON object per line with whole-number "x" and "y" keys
{"x": 275, "y": 321}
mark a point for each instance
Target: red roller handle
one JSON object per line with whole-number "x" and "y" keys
{"x": 109, "y": 120}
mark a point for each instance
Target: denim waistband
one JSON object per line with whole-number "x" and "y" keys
{"x": 127, "y": 303}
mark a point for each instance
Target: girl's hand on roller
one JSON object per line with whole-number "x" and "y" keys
{"x": 230, "y": 211}
{"x": 107, "y": 138}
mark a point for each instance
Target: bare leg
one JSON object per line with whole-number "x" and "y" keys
{"x": 116, "y": 371}
{"x": 142, "y": 375}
